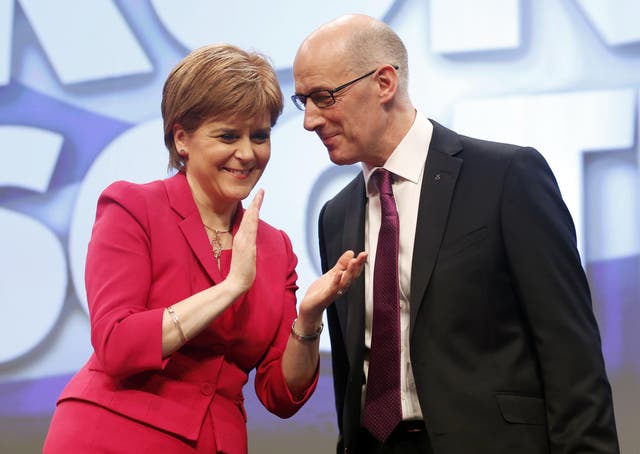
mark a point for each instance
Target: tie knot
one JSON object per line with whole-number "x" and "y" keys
{"x": 383, "y": 179}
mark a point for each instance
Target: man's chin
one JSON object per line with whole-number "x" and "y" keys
{"x": 339, "y": 158}
{"x": 337, "y": 161}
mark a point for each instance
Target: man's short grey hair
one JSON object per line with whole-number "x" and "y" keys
{"x": 376, "y": 45}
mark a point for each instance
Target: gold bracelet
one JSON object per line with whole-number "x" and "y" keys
{"x": 305, "y": 337}
{"x": 176, "y": 322}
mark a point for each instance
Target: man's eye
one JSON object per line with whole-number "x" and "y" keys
{"x": 321, "y": 97}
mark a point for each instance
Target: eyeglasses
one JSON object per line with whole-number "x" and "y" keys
{"x": 325, "y": 98}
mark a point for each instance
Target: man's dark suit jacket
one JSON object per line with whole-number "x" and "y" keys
{"x": 504, "y": 345}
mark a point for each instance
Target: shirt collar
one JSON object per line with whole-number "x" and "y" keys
{"x": 408, "y": 158}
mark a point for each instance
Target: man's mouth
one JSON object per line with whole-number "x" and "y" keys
{"x": 327, "y": 139}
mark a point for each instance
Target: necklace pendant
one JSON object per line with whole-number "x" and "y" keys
{"x": 216, "y": 242}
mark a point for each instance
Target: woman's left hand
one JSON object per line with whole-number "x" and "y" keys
{"x": 331, "y": 285}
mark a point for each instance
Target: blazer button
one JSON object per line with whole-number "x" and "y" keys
{"x": 206, "y": 389}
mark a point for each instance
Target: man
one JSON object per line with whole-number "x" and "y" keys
{"x": 489, "y": 344}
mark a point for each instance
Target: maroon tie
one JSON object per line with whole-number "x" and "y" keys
{"x": 382, "y": 407}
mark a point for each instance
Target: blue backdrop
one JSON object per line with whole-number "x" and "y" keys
{"x": 80, "y": 87}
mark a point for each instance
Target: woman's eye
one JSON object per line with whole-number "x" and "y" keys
{"x": 260, "y": 137}
{"x": 228, "y": 137}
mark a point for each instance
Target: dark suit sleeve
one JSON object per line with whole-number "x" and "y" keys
{"x": 550, "y": 282}
{"x": 339, "y": 361}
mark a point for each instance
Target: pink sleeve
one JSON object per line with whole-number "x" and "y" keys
{"x": 270, "y": 383}
{"x": 126, "y": 335}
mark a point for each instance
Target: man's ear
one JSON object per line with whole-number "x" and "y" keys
{"x": 387, "y": 79}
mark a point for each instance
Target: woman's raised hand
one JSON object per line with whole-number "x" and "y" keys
{"x": 243, "y": 258}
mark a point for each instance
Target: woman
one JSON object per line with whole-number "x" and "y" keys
{"x": 187, "y": 291}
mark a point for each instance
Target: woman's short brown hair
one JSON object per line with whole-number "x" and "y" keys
{"x": 218, "y": 80}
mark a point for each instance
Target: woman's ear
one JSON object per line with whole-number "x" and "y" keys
{"x": 180, "y": 140}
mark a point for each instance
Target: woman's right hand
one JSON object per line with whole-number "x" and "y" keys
{"x": 196, "y": 312}
{"x": 243, "y": 255}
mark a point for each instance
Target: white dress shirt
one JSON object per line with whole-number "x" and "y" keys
{"x": 407, "y": 165}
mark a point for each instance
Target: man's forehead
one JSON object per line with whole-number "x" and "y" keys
{"x": 320, "y": 69}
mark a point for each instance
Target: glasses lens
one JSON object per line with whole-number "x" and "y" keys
{"x": 322, "y": 98}
{"x": 299, "y": 101}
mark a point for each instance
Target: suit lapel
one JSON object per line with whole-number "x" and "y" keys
{"x": 181, "y": 201}
{"x": 438, "y": 183}
{"x": 351, "y": 312}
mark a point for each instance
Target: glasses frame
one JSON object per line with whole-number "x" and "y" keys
{"x": 300, "y": 99}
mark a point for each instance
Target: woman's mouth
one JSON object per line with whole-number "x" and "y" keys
{"x": 238, "y": 173}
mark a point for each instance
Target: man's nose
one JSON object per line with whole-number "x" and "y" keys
{"x": 312, "y": 116}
